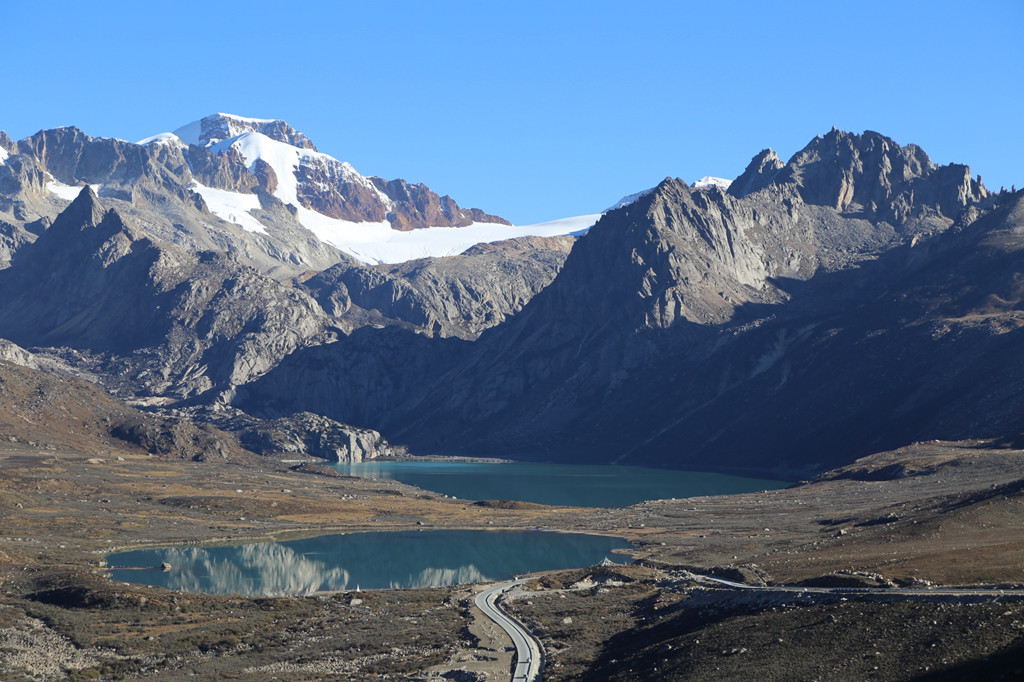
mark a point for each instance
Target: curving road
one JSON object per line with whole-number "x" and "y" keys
{"x": 528, "y": 653}
{"x": 914, "y": 592}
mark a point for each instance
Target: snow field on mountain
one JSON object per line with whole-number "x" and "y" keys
{"x": 231, "y": 206}
{"x": 709, "y": 181}
{"x": 3, "y": 155}
{"x": 370, "y": 242}
{"x": 68, "y": 192}
{"x": 378, "y": 243}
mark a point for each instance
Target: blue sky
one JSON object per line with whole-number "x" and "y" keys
{"x": 534, "y": 110}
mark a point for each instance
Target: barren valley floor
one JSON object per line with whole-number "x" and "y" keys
{"x": 929, "y": 514}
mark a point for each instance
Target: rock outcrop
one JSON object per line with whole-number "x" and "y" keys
{"x": 216, "y": 127}
{"x": 308, "y": 434}
{"x": 758, "y": 174}
{"x": 16, "y": 355}
{"x": 871, "y": 174}
{"x": 417, "y": 206}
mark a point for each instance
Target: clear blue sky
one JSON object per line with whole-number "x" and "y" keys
{"x": 534, "y": 110}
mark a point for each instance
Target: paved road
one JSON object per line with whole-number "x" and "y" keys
{"x": 919, "y": 592}
{"x": 528, "y": 654}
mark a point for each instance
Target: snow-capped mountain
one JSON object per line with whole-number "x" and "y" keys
{"x": 375, "y": 220}
{"x": 257, "y": 188}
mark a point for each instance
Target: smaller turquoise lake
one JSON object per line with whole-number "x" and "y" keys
{"x": 558, "y": 484}
{"x": 378, "y": 560}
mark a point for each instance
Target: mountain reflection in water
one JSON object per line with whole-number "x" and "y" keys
{"x": 265, "y": 568}
{"x": 403, "y": 559}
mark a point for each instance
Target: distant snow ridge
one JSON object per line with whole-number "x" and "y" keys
{"x": 68, "y": 192}
{"x": 212, "y": 129}
{"x": 704, "y": 184}
{"x": 628, "y": 199}
{"x": 162, "y": 138}
{"x": 709, "y": 182}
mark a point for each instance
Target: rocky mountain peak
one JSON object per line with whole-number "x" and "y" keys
{"x": 759, "y": 173}
{"x": 6, "y": 143}
{"x": 82, "y": 213}
{"x": 216, "y": 127}
{"x": 874, "y": 175}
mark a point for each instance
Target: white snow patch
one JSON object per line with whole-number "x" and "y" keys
{"x": 162, "y": 138}
{"x": 189, "y": 133}
{"x": 378, "y": 243}
{"x": 68, "y": 192}
{"x": 283, "y": 158}
{"x": 708, "y": 181}
{"x": 233, "y": 207}
{"x": 3, "y": 155}
{"x": 628, "y": 199}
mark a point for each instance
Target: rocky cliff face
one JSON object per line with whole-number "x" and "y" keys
{"x": 872, "y": 175}
{"x": 414, "y": 206}
{"x": 16, "y": 355}
{"x": 307, "y": 434}
{"x": 758, "y": 174}
{"x": 458, "y": 296}
{"x": 216, "y": 127}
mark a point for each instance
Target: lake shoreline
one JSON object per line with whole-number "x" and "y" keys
{"x": 552, "y": 484}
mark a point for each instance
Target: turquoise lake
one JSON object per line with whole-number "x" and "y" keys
{"x": 558, "y": 484}
{"x": 362, "y": 560}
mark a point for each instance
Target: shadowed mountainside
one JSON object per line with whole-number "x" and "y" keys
{"x": 800, "y": 325}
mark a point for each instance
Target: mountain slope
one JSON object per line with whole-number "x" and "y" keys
{"x": 785, "y": 327}
{"x": 42, "y": 410}
{"x": 457, "y": 296}
{"x": 154, "y": 318}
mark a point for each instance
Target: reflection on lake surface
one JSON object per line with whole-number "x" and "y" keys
{"x": 572, "y": 485}
{"x": 361, "y": 560}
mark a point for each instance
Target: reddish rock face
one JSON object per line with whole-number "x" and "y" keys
{"x": 335, "y": 189}
{"x": 417, "y": 206}
{"x": 265, "y": 175}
